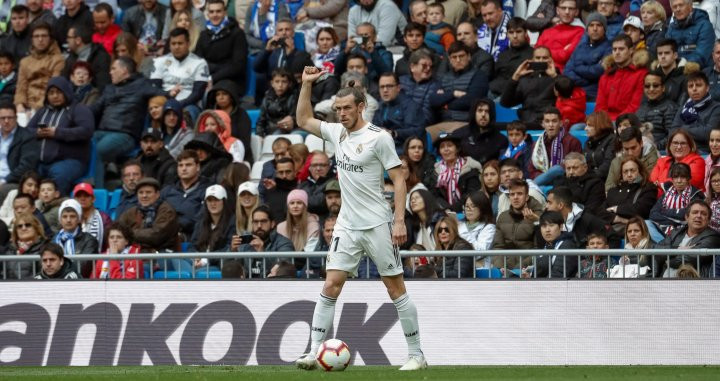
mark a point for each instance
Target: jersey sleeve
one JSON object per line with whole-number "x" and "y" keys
{"x": 158, "y": 72}
{"x": 202, "y": 72}
{"x": 331, "y": 132}
{"x": 385, "y": 150}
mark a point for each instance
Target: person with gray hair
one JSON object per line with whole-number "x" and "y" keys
{"x": 693, "y": 32}
{"x": 350, "y": 79}
{"x": 586, "y": 188}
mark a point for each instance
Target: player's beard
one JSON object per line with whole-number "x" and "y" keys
{"x": 351, "y": 123}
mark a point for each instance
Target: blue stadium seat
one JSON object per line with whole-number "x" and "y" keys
{"x": 172, "y": 275}
{"x": 589, "y": 108}
{"x": 114, "y": 202}
{"x": 505, "y": 115}
{"x": 101, "y": 200}
{"x": 254, "y": 115}
{"x": 488, "y": 273}
{"x": 581, "y": 136}
{"x": 250, "y": 78}
{"x": 184, "y": 246}
{"x": 90, "y": 174}
{"x": 212, "y": 274}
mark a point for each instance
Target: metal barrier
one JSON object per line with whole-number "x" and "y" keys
{"x": 574, "y": 261}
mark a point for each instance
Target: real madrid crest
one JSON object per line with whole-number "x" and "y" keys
{"x": 359, "y": 148}
{"x": 343, "y": 135}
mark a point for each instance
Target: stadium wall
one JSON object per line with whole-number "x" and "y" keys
{"x": 267, "y": 322}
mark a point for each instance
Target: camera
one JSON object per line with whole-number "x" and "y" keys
{"x": 361, "y": 40}
{"x": 538, "y": 66}
{"x": 246, "y": 238}
{"x": 280, "y": 43}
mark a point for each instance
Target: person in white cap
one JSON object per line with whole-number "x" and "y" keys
{"x": 248, "y": 200}
{"x": 633, "y": 28}
{"x": 71, "y": 237}
{"x": 215, "y": 228}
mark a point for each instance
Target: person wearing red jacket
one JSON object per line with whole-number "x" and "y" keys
{"x": 119, "y": 238}
{"x": 681, "y": 148}
{"x": 106, "y": 31}
{"x": 620, "y": 89}
{"x": 571, "y": 100}
{"x": 562, "y": 38}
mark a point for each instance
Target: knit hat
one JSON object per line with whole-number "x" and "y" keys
{"x": 595, "y": 16}
{"x": 72, "y": 204}
{"x": 298, "y": 195}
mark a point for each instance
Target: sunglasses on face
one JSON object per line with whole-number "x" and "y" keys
{"x": 443, "y": 230}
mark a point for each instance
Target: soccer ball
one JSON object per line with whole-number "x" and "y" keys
{"x": 333, "y": 355}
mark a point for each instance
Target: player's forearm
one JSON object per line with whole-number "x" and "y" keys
{"x": 304, "y": 108}
{"x": 400, "y": 192}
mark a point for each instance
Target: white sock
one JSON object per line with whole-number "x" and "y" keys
{"x": 322, "y": 320}
{"x": 409, "y": 322}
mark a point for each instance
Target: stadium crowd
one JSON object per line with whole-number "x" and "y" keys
{"x": 149, "y": 100}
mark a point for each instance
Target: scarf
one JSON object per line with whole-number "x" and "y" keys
{"x": 691, "y": 108}
{"x": 105, "y": 268}
{"x": 149, "y": 212}
{"x": 512, "y": 152}
{"x": 494, "y": 43}
{"x": 327, "y": 61}
{"x": 267, "y": 30}
{"x": 448, "y": 179}
{"x": 215, "y": 29}
{"x": 94, "y": 226}
{"x": 81, "y": 91}
{"x": 67, "y": 240}
{"x": 23, "y": 247}
{"x": 6, "y": 80}
{"x": 540, "y": 158}
{"x": 643, "y": 244}
{"x": 675, "y": 200}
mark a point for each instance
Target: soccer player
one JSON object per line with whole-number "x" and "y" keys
{"x": 364, "y": 227}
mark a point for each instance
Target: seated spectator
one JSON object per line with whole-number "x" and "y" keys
{"x": 184, "y": 19}
{"x": 412, "y": 182}
{"x": 562, "y": 38}
{"x": 321, "y": 172}
{"x": 35, "y": 70}
{"x": 447, "y": 238}
{"x": 218, "y": 121}
{"x": 620, "y": 87}
{"x": 280, "y": 52}
{"x": 29, "y": 184}
{"x": 235, "y": 174}
{"x": 479, "y": 59}
{"x": 299, "y": 226}
{"x": 421, "y": 161}
{"x": 213, "y": 156}
{"x": 600, "y": 147}
{"x": 146, "y": 22}
{"x": 155, "y": 159}
{"x": 48, "y": 203}
{"x": 424, "y": 214}
{"x": 76, "y": 13}
{"x": 713, "y": 73}
{"x": 120, "y": 241}
{"x": 692, "y": 31}
{"x": 515, "y": 227}
{"x": 633, "y": 28}
{"x": 131, "y": 172}
{"x": 397, "y": 112}
{"x": 695, "y": 235}
{"x": 248, "y": 200}
{"x": 300, "y": 156}
{"x": 377, "y": 58}
{"x": 632, "y": 145}
{"x": 314, "y": 268}
{"x": 8, "y": 77}
{"x": 510, "y": 170}
{"x": 186, "y": 195}
{"x": 333, "y": 199}
{"x": 196, "y": 16}
{"x": 27, "y": 238}
{"x": 610, "y": 9}
{"x": 668, "y": 212}
{"x": 585, "y": 64}
{"x": 358, "y": 64}
{"x": 64, "y": 128}
{"x": 383, "y": 14}
{"x": 82, "y": 49}
{"x": 596, "y": 266}
{"x": 712, "y": 160}
{"x": 277, "y": 111}
{"x": 628, "y": 120}
{"x": 94, "y": 221}
{"x": 264, "y": 239}
{"x": 331, "y": 12}
{"x": 530, "y": 88}
{"x": 517, "y": 52}
{"x": 419, "y": 85}
{"x": 673, "y": 70}
{"x": 54, "y": 263}
{"x": 81, "y": 78}
{"x": 554, "y": 237}
{"x": 277, "y": 189}
{"x": 570, "y": 100}
{"x": 440, "y": 35}
{"x": 262, "y": 22}
{"x": 71, "y": 237}
{"x": 20, "y": 155}
{"x": 457, "y": 174}
{"x": 106, "y": 31}
{"x": 550, "y": 149}
{"x": 174, "y": 127}
{"x": 680, "y": 148}
{"x": 17, "y": 39}
{"x": 584, "y": 184}
{"x": 632, "y": 196}
{"x": 654, "y": 19}
{"x": 491, "y": 183}
{"x": 713, "y": 198}
{"x": 578, "y": 221}
{"x": 460, "y": 86}
{"x": 519, "y": 145}
{"x": 224, "y": 96}
{"x": 25, "y": 203}
{"x": 279, "y": 148}
{"x": 358, "y": 81}
{"x": 700, "y": 113}
{"x": 493, "y": 33}
{"x": 153, "y": 222}
{"x": 478, "y": 229}
{"x": 637, "y": 236}
{"x": 328, "y": 49}
{"x": 214, "y": 228}
{"x": 656, "y": 109}
{"x": 127, "y": 45}
{"x": 414, "y": 39}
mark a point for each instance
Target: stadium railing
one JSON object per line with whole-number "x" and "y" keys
{"x": 706, "y": 259}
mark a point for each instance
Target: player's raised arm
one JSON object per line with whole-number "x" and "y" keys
{"x": 304, "y": 115}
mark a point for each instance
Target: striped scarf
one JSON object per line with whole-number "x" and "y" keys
{"x": 675, "y": 200}
{"x": 94, "y": 227}
{"x": 540, "y": 158}
{"x": 67, "y": 240}
{"x": 448, "y": 179}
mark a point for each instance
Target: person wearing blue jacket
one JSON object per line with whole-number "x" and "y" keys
{"x": 585, "y": 64}
{"x": 398, "y": 113}
{"x": 693, "y": 32}
{"x": 64, "y": 128}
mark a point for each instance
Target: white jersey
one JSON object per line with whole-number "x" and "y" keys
{"x": 362, "y": 158}
{"x": 184, "y": 73}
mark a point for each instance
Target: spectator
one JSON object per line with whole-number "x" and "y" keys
{"x": 25, "y": 203}
{"x": 54, "y": 263}
{"x": 668, "y": 212}
{"x": 600, "y": 147}
{"x": 81, "y": 79}
{"x": 321, "y": 172}
{"x": 324, "y": 88}
{"x": 184, "y": 19}
{"x": 77, "y": 13}
{"x": 657, "y": 109}
{"x": 473, "y": 14}
{"x": 213, "y": 156}
{"x": 280, "y": 53}
{"x": 280, "y": 148}
{"x": 235, "y": 174}
{"x": 223, "y": 45}
{"x": 620, "y": 87}
{"x": 119, "y": 112}
{"x": 424, "y": 214}
{"x": 562, "y": 38}
{"x": 82, "y": 49}
{"x": 155, "y": 159}
{"x": 478, "y": 229}
{"x": 493, "y": 33}
{"x": 18, "y": 148}
{"x": 17, "y": 39}
{"x": 460, "y": 86}
{"x": 265, "y": 239}
{"x": 174, "y": 8}
{"x": 27, "y": 238}
{"x": 421, "y": 161}
{"x": 692, "y": 31}
{"x": 8, "y": 77}
{"x": 299, "y": 226}
{"x": 509, "y": 170}
{"x": 397, "y": 113}
{"x": 491, "y": 184}
{"x": 507, "y": 62}
{"x": 48, "y": 203}
{"x": 29, "y": 183}
{"x": 713, "y": 198}
{"x": 550, "y": 149}
{"x": 584, "y": 184}
{"x": 64, "y": 128}
{"x": 154, "y": 117}
{"x": 186, "y": 195}
{"x": 262, "y": 22}
{"x": 695, "y": 235}
{"x": 35, "y": 70}
{"x": 127, "y": 45}
{"x": 457, "y": 174}
{"x": 554, "y": 237}
{"x": 94, "y": 222}
{"x": 71, "y": 237}
{"x": 39, "y": 14}
{"x": 214, "y": 227}
{"x": 277, "y": 112}
{"x": 357, "y": 64}
{"x": 440, "y": 34}
{"x": 225, "y": 96}
{"x": 585, "y": 64}
{"x": 377, "y": 58}
{"x": 594, "y": 266}
{"x": 673, "y": 70}
{"x": 183, "y": 75}
{"x": 333, "y": 199}
{"x": 479, "y": 59}
{"x": 153, "y": 222}
{"x": 218, "y": 121}
{"x": 131, "y": 173}
{"x": 414, "y": 38}
{"x": 383, "y": 14}
{"x": 447, "y": 238}
{"x": 530, "y": 88}
{"x": 328, "y": 49}
{"x": 576, "y": 219}
{"x": 334, "y": 12}
{"x": 631, "y": 142}
{"x": 712, "y": 160}
{"x": 278, "y": 188}
{"x": 700, "y": 113}
{"x": 106, "y": 31}
{"x": 120, "y": 241}
{"x": 247, "y": 201}
{"x": 146, "y": 21}
{"x": 174, "y": 127}
{"x": 633, "y": 195}
{"x": 654, "y": 19}
{"x": 419, "y": 85}
{"x": 570, "y": 100}
{"x": 637, "y": 236}
{"x": 633, "y": 28}
{"x": 609, "y": 9}
{"x": 519, "y": 144}
{"x": 713, "y": 73}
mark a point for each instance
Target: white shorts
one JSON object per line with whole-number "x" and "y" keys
{"x": 347, "y": 248}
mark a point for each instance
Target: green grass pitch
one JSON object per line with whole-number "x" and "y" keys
{"x": 374, "y": 373}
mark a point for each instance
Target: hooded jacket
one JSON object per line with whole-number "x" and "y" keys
{"x": 34, "y": 72}
{"x": 240, "y": 120}
{"x": 226, "y": 53}
{"x": 232, "y": 145}
{"x": 599, "y": 153}
{"x": 659, "y": 113}
{"x": 213, "y": 168}
{"x": 175, "y": 141}
{"x": 585, "y": 65}
{"x": 572, "y": 109}
{"x": 83, "y": 17}
{"x": 695, "y": 37}
{"x": 74, "y": 126}
{"x": 482, "y": 145}
{"x": 620, "y": 90}
{"x": 161, "y": 167}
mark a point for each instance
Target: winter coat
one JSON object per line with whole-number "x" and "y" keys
{"x": 708, "y": 118}
{"x": 507, "y": 62}
{"x": 261, "y": 266}
{"x": 224, "y": 132}
{"x": 660, "y": 113}
{"x": 452, "y": 108}
{"x": 7, "y": 93}
{"x": 134, "y": 18}
{"x": 84, "y": 244}
{"x": 714, "y": 78}
{"x": 569, "y": 144}
{"x": 450, "y": 268}
{"x": 653, "y": 36}
{"x": 316, "y": 194}
{"x": 67, "y": 271}
{"x": 513, "y": 231}
{"x": 482, "y": 145}
{"x": 572, "y": 110}
{"x": 122, "y": 106}
{"x": 631, "y": 199}
{"x": 24, "y": 269}
{"x": 162, "y": 167}
{"x": 663, "y": 216}
{"x": 187, "y": 203}
{"x": 226, "y": 54}
{"x": 239, "y": 118}
{"x": 403, "y": 117}
{"x": 695, "y": 37}
{"x": 675, "y": 81}
{"x": 420, "y": 94}
{"x": 22, "y": 155}
{"x": 660, "y": 173}
{"x": 162, "y": 235}
{"x": 99, "y": 61}
{"x": 468, "y": 181}
{"x": 127, "y": 201}
{"x": 221, "y": 244}
{"x": 546, "y": 8}
{"x": 599, "y": 153}
{"x": 533, "y": 92}
{"x": 562, "y": 266}
{"x": 273, "y": 109}
{"x": 126, "y": 269}
{"x": 707, "y": 239}
{"x": 620, "y": 90}
{"x": 585, "y": 65}
{"x": 649, "y": 159}
{"x": 17, "y": 44}
{"x": 82, "y": 18}
{"x": 213, "y": 168}
{"x": 561, "y": 39}
{"x": 34, "y": 72}
{"x": 74, "y": 126}
{"x": 587, "y": 190}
